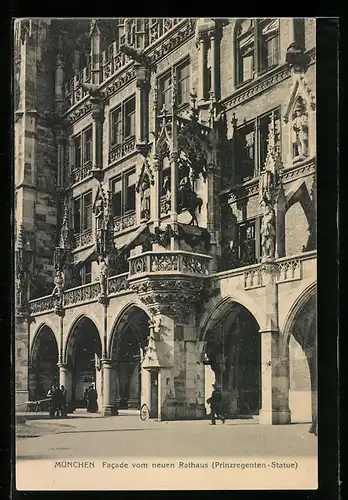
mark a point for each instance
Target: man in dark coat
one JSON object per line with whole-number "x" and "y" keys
{"x": 92, "y": 400}
{"x": 64, "y": 401}
{"x": 215, "y": 402}
{"x": 56, "y": 400}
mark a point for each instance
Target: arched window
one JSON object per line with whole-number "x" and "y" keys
{"x": 257, "y": 47}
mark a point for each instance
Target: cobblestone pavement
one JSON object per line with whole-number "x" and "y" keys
{"x": 127, "y": 435}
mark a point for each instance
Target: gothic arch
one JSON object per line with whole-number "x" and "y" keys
{"x": 38, "y": 330}
{"x": 69, "y": 341}
{"x": 121, "y": 322}
{"x": 231, "y": 353}
{"x": 219, "y": 305}
{"x": 297, "y": 306}
{"x": 43, "y": 360}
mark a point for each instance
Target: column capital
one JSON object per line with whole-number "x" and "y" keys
{"x": 63, "y": 366}
{"x": 108, "y": 363}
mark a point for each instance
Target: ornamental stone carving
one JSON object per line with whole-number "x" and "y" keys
{"x": 58, "y": 291}
{"x": 171, "y": 297}
{"x": 300, "y": 130}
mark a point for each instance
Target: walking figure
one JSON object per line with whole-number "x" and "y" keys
{"x": 63, "y": 410}
{"x": 215, "y": 402}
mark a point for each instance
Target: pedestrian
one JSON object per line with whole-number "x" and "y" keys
{"x": 92, "y": 400}
{"x": 64, "y": 412}
{"x": 49, "y": 395}
{"x": 215, "y": 402}
{"x": 314, "y": 426}
{"x": 56, "y": 400}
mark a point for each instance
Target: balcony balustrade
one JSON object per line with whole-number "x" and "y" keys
{"x": 80, "y": 295}
{"x": 78, "y": 174}
{"x": 112, "y": 60}
{"x": 169, "y": 263}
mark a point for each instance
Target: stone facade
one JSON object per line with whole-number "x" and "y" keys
{"x": 165, "y": 182}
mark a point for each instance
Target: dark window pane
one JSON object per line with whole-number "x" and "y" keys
{"x": 116, "y": 127}
{"x": 87, "y": 273}
{"x": 130, "y": 118}
{"x": 117, "y": 198}
{"x": 87, "y": 211}
{"x": 88, "y": 146}
{"x": 183, "y": 77}
{"x": 269, "y": 40}
{"x": 77, "y": 215}
{"x": 246, "y": 238}
{"x": 245, "y": 142}
{"x": 78, "y": 151}
{"x": 165, "y": 91}
{"x": 245, "y": 45}
{"x": 130, "y": 181}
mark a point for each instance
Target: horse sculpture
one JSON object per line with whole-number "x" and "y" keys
{"x": 187, "y": 199}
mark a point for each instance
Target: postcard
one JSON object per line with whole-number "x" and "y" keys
{"x": 166, "y": 256}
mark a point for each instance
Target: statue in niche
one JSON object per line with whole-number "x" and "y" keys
{"x": 145, "y": 199}
{"x": 168, "y": 195}
{"x": 58, "y": 289}
{"x": 103, "y": 275}
{"x": 187, "y": 198}
{"x": 300, "y": 130}
{"x": 20, "y": 287}
{"x": 268, "y": 233}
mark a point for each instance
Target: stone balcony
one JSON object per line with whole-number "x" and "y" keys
{"x": 83, "y": 294}
{"x": 168, "y": 282}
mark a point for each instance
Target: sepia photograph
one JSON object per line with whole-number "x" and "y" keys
{"x": 165, "y": 217}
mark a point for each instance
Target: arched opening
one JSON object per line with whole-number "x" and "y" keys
{"x": 83, "y": 359}
{"x": 233, "y": 357}
{"x": 43, "y": 372}
{"x": 129, "y": 340}
{"x": 296, "y": 225}
{"x": 303, "y": 362}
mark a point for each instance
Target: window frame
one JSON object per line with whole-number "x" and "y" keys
{"x": 122, "y": 177}
{"x": 259, "y": 40}
{"x": 122, "y": 109}
{"x": 168, "y": 74}
{"x": 258, "y": 140}
{"x": 81, "y": 137}
{"x": 80, "y": 200}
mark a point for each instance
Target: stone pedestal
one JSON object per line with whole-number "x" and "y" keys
{"x": 109, "y": 407}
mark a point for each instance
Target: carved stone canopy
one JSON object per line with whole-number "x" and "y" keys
{"x": 173, "y": 297}
{"x": 145, "y": 171}
{"x": 302, "y": 89}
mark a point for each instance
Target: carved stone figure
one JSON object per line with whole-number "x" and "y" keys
{"x": 145, "y": 199}
{"x": 300, "y": 130}
{"x": 187, "y": 198}
{"x": 58, "y": 289}
{"x": 268, "y": 233}
{"x": 103, "y": 276}
{"x": 20, "y": 288}
{"x": 168, "y": 195}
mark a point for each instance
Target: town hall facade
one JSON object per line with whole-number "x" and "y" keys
{"x": 165, "y": 214}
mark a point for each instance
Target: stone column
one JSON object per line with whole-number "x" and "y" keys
{"x": 173, "y": 202}
{"x": 213, "y": 208}
{"x": 201, "y": 67}
{"x": 212, "y": 37}
{"x": 109, "y": 388}
{"x": 97, "y": 135}
{"x": 65, "y": 378}
{"x": 275, "y": 381}
{"x": 156, "y": 204}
